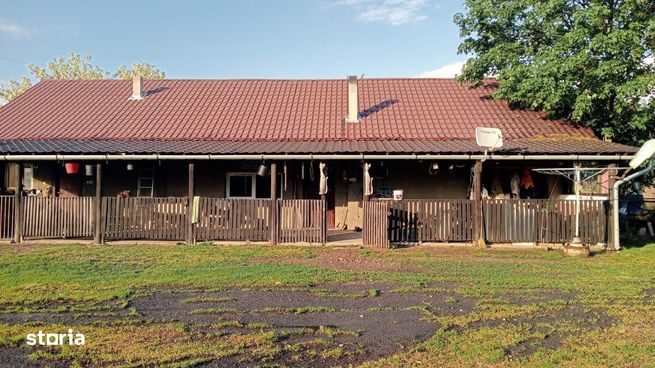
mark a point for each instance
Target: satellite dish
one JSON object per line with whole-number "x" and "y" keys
{"x": 488, "y": 138}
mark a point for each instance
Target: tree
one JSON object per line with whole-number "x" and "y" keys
{"x": 583, "y": 60}
{"x": 75, "y": 67}
{"x": 146, "y": 70}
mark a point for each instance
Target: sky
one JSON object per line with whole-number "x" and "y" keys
{"x": 238, "y": 38}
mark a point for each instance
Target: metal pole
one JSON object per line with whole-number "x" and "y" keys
{"x": 615, "y": 202}
{"x": 577, "y": 203}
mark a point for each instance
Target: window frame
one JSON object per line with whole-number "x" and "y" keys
{"x": 253, "y": 188}
{"x": 253, "y": 175}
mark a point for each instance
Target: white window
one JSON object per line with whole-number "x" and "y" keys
{"x": 250, "y": 185}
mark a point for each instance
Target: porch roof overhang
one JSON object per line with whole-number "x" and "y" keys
{"x": 100, "y": 150}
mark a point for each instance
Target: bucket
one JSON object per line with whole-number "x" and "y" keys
{"x": 398, "y": 195}
{"x": 72, "y": 167}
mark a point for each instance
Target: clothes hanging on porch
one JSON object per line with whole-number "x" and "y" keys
{"x": 323, "y": 186}
{"x": 368, "y": 181}
{"x": 514, "y": 184}
{"x": 526, "y": 179}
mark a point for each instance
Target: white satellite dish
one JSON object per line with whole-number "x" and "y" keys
{"x": 488, "y": 138}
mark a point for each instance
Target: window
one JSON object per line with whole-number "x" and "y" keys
{"x": 250, "y": 185}
{"x": 240, "y": 185}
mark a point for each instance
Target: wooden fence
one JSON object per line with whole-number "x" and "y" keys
{"x": 543, "y": 221}
{"x": 417, "y": 220}
{"x": 6, "y": 217}
{"x": 504, "y": 221}
{"x": 234, "y": 219}
{"x": 145, "y": 218}
{"x": 61, "y": 217}
{"x": 376, "y": 223}
{"x": 302, "y": 221}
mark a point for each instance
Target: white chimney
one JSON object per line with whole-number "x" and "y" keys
{"x": 353, "y": 108}
{"x": 137, "y": 87}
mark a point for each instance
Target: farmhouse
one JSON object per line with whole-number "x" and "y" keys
{"x": 204, "y": 160}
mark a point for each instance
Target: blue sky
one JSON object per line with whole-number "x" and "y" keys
{"x": 239, "y": 38}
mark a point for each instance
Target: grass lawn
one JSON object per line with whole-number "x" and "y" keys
{"x": 258, "y": 306}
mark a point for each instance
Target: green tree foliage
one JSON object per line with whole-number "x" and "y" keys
{"x": 75, "y": 67}
{"x": 583, "y": 60}
{"x": 146, "y": 70}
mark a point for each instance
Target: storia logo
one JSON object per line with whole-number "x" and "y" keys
{"x": 42, "y": 338}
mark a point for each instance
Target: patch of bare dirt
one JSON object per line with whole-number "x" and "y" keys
{"x": 350, "y": 259}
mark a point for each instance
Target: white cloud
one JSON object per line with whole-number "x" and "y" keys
{"x": 394, "y": 12}
{"x": 12, "y": 29}
{"x": 445, "y": 71}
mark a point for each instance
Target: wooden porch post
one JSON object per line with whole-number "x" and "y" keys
{"x": 98, "y": 238}
{"x": 274, "y": 216}
{"x": 478, "y": 219}
{"x": 18, "y": 205}
{"x": 190, "y": 236}
{"x": 611, "y": 242}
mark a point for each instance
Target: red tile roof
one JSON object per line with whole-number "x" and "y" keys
{"x": 269, "y": 110}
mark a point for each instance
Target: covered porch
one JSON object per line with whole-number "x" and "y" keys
{"x": 455, "y": 198}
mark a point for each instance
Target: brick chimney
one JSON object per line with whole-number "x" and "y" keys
{"x": 353, "y": 108}
{"x": 137, "y": 87}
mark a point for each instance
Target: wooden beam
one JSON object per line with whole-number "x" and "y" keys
{"x": 274, "y": 217}
{"x": 478, "y": 218}
{"x": 98, "y": 237}
{"x": 190, "y": 235}
{"x": 18, "y": 205}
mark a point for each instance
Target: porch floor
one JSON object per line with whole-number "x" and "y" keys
{"x": 344, "y": 237}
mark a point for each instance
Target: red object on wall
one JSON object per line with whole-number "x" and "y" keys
{"x": 72, "y": 167}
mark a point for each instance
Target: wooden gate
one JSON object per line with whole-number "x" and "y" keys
{"x": 437, "y": 220}
{"x": 58, "y": 217}
{"x": 543, "y": 221}
{"x": 234, "y": 219}
{"x": 376, "y": 223}
{"x": 302, "y": 221}
{"x": 145, "y": 218}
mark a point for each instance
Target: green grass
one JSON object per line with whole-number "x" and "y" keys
{"x": 207, "y": 299}
{"x": 297, "y": 310}
{"x": 100, "y": 273}
{"x": 514, "y": 293}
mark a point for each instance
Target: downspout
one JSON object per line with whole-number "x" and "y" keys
{"x": 615, "y": 203}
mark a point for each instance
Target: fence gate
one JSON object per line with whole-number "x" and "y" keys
{"x": 302, "y": 220}
{"x": 234, "y": 219}
{"x": 376, "y": 224}
{"x": 145, "y": 218}
{"x": 58, "y": 217}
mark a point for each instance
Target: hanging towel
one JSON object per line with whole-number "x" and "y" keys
{"x": 526, "y": 179}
